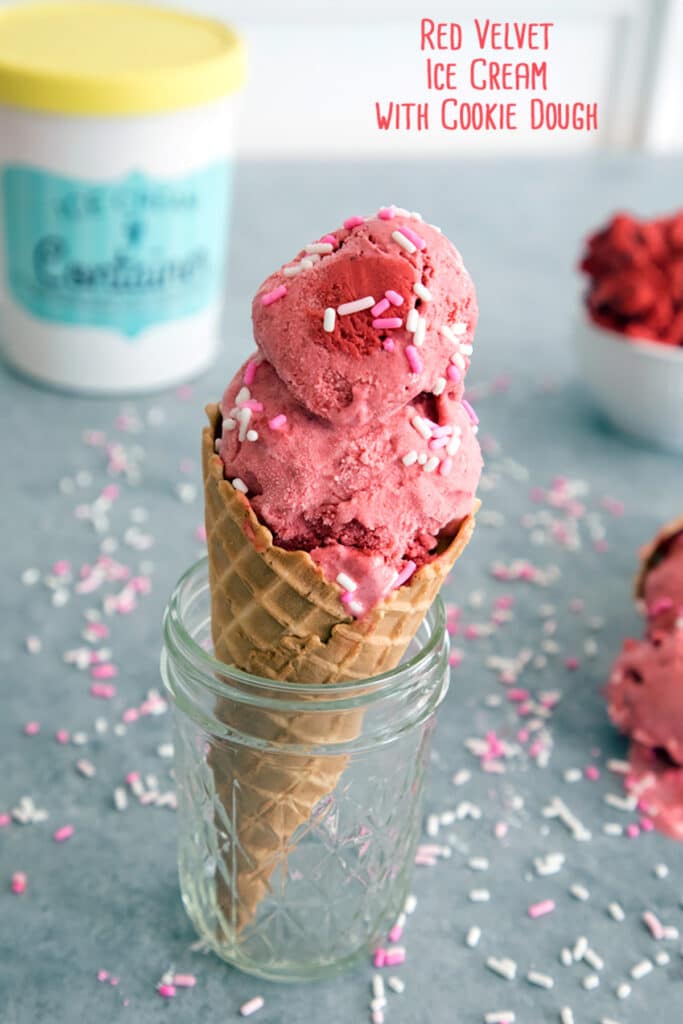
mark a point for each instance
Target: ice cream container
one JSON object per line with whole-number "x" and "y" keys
{"x": 116, "y": 150}
{"x": 638, "y": 385}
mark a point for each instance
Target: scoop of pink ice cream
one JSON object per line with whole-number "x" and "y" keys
{"x": 645, "y": 692}
{"x": 663, "y": 587}
{"x": 359, "y": 367}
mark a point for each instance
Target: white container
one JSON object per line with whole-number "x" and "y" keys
{"x": 115, "y": 182}
{"x": 637, "y": 384}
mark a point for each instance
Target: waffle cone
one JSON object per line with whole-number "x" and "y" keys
{"x": 273, "y": 614}
{"x": 652, "y": 552}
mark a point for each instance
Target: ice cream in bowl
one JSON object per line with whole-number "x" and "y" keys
{"x": 630, "y": 333}
{"x": 340, "y": 469}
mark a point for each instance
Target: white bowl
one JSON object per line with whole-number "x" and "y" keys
{"x": 637, "y": 384}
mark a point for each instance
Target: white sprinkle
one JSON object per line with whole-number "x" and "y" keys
{"x": 357, "y": 306}
{"x": 346, "y": 582}
{"x": 431, "y": 464}
{"x": 500, "y": 1017}
{"x": 101, "y": 725}
{"x": 30, "y": 576}
{"x": 412, "y": 321}
{"x": 86, "y": 768}
{"x": 459, "y": 328}
{"x": 662, "y": 959}
{"x": 308, "y": 261}
{"x": 396, "y": 985}
{"x": 566, "y": 957}
{"x": 404, "y": 242}
{"x": 608, "y": 1020}
{"x": 410, "y": 904}
{"x": 566, "y": 1015}
{"x": 447, "y": 818}
{"x": 580, "y": 948}
{"x": 420, "y": 331}
{"x": 478, "y": 863}
{"x": 34, "y": 644}
{"x": 669, "y": 932}
{"x": 439, "y": 387}
{"x": 573, "y": 775}
{"x": 187, "y": 492}
{"x": 422, "y": 427}
{"x": 165, "y": 750}
{"x": 243, "y": 395}
{"x": 239, "y": 485}
{"x": 473, "y": 936}
{"x": 541, "y": 980}
{"x": 409, "y": 458}
{"x": 621, "y": 803}
{"x": 422, "y": 292}
{"x": 618, "y": 766}
{"x": 558, "y": 809}
{"x": 252, "y": 435}
{"x": 640, "y": 969}
{"x": 465, "y": 350}
{"x": 479, "y": 896}
{"x": 243, "y": 415}
{"x": 432, "y": 825}
{"x": 661, "y": 871}
{"x": 252, "y": 1006}
{"x": 579, "y": 892}
{"x": 623, "y": 990}
{"x": 377, "y": 1005}
{"x": 550, "y": 864}
{"x": 453, "y": 445}
{"x": 378, "y": 986}
{"x": 422, "y": 458}
{"x": 329, "y": 319}
{"x": 615, "y": 911}
{"x": 60, "y": 597}
{"x": 504, "y": 967}
{"x": 120, "y": 798}
{"x": 295, "y": 269}
{"x": 79, "y": 739}
{"x": 593, "y": 959}
{"x": 320, "y": 248}
{"x": 612, "y": 828}
{"x": 590, "y": 982}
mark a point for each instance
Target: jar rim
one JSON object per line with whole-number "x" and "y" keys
{"x": 178, "y": 639}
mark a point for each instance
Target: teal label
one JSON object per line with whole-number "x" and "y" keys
{"x": 124, "y": 255}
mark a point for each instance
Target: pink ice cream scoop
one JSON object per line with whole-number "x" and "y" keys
{"x": 348, "y": 429}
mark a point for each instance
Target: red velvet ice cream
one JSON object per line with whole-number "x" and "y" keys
{"x": 347, "y": 428}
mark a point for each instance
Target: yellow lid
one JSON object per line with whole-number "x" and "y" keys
{"x": 111, "y": 58}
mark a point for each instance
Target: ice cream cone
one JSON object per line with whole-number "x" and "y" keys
{"x": 651, "y": 553}
{"x": 274, "y": 615}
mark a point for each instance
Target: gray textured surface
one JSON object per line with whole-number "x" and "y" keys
{"x": 108, "y": 898}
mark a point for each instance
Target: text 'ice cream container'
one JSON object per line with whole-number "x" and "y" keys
{"x": 116, "y": 147}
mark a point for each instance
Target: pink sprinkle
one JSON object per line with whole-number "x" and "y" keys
{"x": 394, "y": 956}
{"x": 353, "y": 222}
{"x": 524, "y": 709}
{"x": 455, "y": 657}
{"x": 250, "y": 372}
{"x": 141, "y": 584}
{"x": 413, "y": 357}
{"x": 167, "y": 991}
{"x": 200, "y": 533}
{"x": 388, "y": 345}
{"x": 132, "y": 778}
{"x": 388, "y": 323}
{"x": 130, "y": 715}
{"x": 536, "y": 748}
{"x": 661, "y": 605}
{"x": 113, "y": 981}
{"x": 106, "y": 691}
{"x": 504, "y": 602}
{"x": 474, "y": 419}
{"x": 471, "y": 632}
{"x": 104, "y": 671}
{"x": 438, "y": 442}
{"x": 507, "y": 676}
{"x": 542, "y": 908}
{"x": 19, "y": 882}
{"x": 592, "y": 772}
{"x": 4, "y": 820}
{"x": 387, "y": 213}
{"x": 445, "y": 431}
{"x": 416, "y": 239}
{"x": 99, "y": 630}
{"x": 572, "y": 664}
{"x": 396, "y": 933}
{"x": 102, "y": 975}
{"x": 277, "y": 422}
{"x": 61, "y": 568}
{"x": 394, "y": 298}
{"x": 32, "y": 728}
{"x": 252, "y": 404}
{"x": 647, "y": 824}
{"x": 63, "y": 833}
{"x": 404, "y": 574}
{"x": 523, "y": 735}
{"x": 518, "y": 694}
{"x": 378, "y": 959}
{"x": 62, "y": 736}
{"x": 330, "y": 239}
{"x": 184, "y": 980}
{"x": 500, "y": 830}
{"x": 632, "y": 831}
{"x": 111, "y": 492}
{"x": 446, "y": 466}
{"x": 380, "y": 307}
{"x": 269, "y": 298}
{"x": 453, "y": 373}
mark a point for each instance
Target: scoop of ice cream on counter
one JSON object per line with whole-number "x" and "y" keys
{"x": 347, "y": 429}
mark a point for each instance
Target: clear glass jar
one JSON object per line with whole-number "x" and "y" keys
{"x": 298, "y": 806}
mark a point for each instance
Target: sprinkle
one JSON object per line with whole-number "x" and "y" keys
{"x": 474, "y": 419}
{"x": 473, "y": 936}
{"x": 504, "y": 967}
{"x": 32, "y": 728}
{"x": 252, "y": 435}
{"x": 394, "y": 955}
{"x": 86, "y": 768}
{"x": 453, "y": 373}
{"x": 416, "y": 239}
{"x": 414, "y": 360}
{"x": 615, "y": 912}
{"x": 542, "y": 908}
{"x": 412, "y": 321}
{"x": 632, "y": 831}
{"x": 623, "y": 990}
{"x": 380, "y": 307}
{"x": 661, "y": 871}
{"x": 166, "y": 990}
{"x": 540, "y": 980}
{"x": 329, "y": 319}
{"x": 422, "y": 292}
{"x": 641, "y": 969}
{"x": 63, "y": 833}
{"x": 439, "y": 387}
{"x": 409, "y": 458}
{"x": 478, "y": 864}
{"x": 653, "y": 924}
{"x": 387, "y": 213}
{"x": 396, "y": 985}
{"x": 239, "y": 485}
{"x": 566, "y": 1015}
{"x": 295, "y": 269}
{"x": 410, "y": 904}
{"x": 250, "y": 372}
{"x": 579, "y": 892}
{"x": 277, "y": 293}
{"x": 19, "y": 883}
{"x": 593, "y": 959}
{"x": 420, "y": 331}
{"x": 389, "y": 323}
{"x": 431, "y": 464}
{"x": 394, "y": 298}
{"x": 566, "y": 957}
{"x": 500, "y": 1017}
{"x": 120, "y": 799}
{"x": 184, "y": 980}
{"x": 422, "y": 427}
{"x": 346, "y": 582}
{"x": 479, "y": 896}
{"x": 402, "y": 577}
{"x": 580, "y": 948}
{"x": 402, "y": 239}
{"x": 662, "y": 959}
{"x": 277, "y": 422}
{"x": 388, "y": 345}
{"x": 590, "y": 982}
{"x": 357, "y": 306}
{"x": 319, "y": 248}
{"x": 353, "y": 222}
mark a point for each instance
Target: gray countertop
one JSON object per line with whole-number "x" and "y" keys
{"x": 108, "y": 898}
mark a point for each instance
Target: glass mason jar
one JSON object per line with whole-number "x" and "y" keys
{"x": 298, "y": 805}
